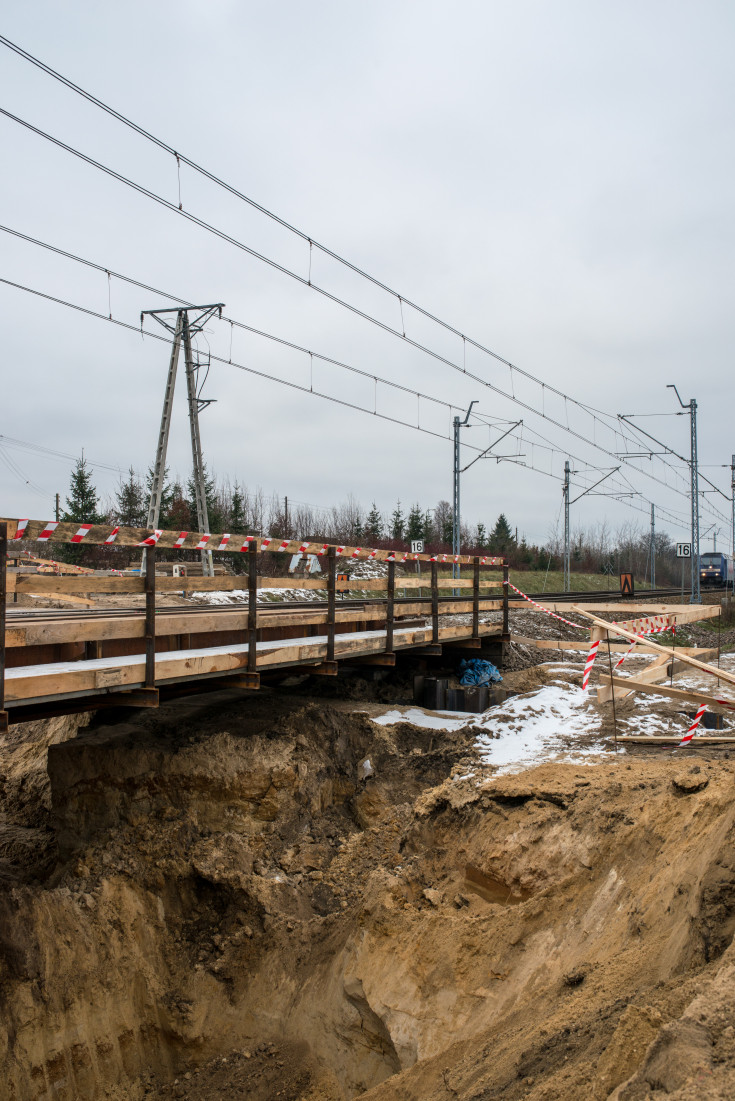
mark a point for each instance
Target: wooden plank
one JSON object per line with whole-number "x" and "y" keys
{"x": 82, "y": 676}
{"x": 654, "y": 740}
{"x": 40, "y": 584}
{"x": 655, "y": 673}
{"x": 635, "y": 684}
{"x": 721, "y": 674}
{"x": 689, "y": 612}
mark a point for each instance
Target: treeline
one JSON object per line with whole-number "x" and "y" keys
{"x": 234, "y": 508}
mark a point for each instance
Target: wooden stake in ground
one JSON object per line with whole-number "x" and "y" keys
{"x": 615, "y": 718}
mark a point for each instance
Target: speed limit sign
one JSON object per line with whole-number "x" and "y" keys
{"x": 683, "y": 550}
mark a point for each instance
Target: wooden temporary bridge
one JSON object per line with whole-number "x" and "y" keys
{"x": 62, "y": 661}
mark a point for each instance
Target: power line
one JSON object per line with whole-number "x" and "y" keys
{"x": 290, "y": 344}
{"x": 180, "y": 158}
{"x": 240, "y": 366}
{"x": 10, "y": 441}
{"x": 273, "y": 378}
{"x": 510, "y": 396}
{"x": 545, "y": 445}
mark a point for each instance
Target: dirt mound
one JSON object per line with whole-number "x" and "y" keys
{"x": 267, "y": 897}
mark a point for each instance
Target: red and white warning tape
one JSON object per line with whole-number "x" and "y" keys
{"x": 152, "y": 539}
{"x": 690, "y": 732}
{"x": 589, "y": 663}
{"x": 547, "y": 610}
{"x": 656, "y": 631}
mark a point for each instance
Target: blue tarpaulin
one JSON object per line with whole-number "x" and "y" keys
{"x": 477, "y": 671}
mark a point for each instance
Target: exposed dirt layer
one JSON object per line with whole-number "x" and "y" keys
{"x": 266, "y": 897}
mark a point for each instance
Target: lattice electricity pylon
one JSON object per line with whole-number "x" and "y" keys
{"x": 182, "y": 328}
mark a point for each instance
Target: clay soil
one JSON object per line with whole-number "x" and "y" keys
{"x": 271, "y": 896}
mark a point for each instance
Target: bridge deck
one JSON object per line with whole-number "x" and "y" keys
{"x": 103, "y": 676}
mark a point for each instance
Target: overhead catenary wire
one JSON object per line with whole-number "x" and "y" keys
{"x": 180, "y": 158}
{"x": 157, "y": 335}
{"x": 596, "y": 414}
{"x": 299, "y": 348}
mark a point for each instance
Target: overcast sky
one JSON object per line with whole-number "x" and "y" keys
{"x": 552, "y": 180}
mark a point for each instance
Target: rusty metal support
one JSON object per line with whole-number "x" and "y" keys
{"x": 331, "y": 600}
{"x": 505, "y": 636}
{"x": 324, "y": 669}
{"x": 248, "y": 681}
{"x": 252, "y": 606}
{"x": 475, "y": 597}
{"x": 3, "y": 598}
{"x": 434, "y": 602}
{"x": 390, "y": 608}
{"x": 150, "y": 618}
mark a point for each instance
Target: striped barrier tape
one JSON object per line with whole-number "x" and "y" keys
{"x": 152, "y": 539}
{"x": 690, "y": 732}
{"x": 589, "y": 663}
{"x": 657, "y": 625}
{"x": 655, "y": 631}
{"x": 101, "y": 534}
{"x": 547, "y": 610}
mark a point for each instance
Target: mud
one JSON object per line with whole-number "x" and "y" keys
{"x": 273, "y": 896}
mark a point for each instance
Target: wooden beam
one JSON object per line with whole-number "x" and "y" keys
{"x": 654, "y": 740}
{"x": 126, "y": 537}
{"x": 432, "y": 650}
{"x": 635, "y": 684}
{"x": 465, "y": 643}
{"x": 656, "y": 672}
{"x": 721, "y": 674}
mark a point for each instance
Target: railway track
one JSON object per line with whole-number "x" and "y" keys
{"x": 600, "y": 596}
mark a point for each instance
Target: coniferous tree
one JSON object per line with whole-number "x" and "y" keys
{"x": 167, "y": 496}
{"x": 501, "y": 537}
{"x": 131, "y": 506}
{"x": 214, "y": 512}
{"x": 82, "y": 503}
{"x": 373, "y": 528}
{"x": 397, "y": 523}
{"x": 82, "y": 506}
{"x": 238, "y": 513}
{"x": 415, "y": 523}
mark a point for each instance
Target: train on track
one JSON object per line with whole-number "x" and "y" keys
{"x": 715, "y": 569}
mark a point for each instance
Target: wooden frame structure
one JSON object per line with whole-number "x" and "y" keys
{"x": 83, "y": 659}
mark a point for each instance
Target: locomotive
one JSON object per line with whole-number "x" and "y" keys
{"x": 715, "y": 569}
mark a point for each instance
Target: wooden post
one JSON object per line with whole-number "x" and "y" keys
{"x": 390, "y": 608}
{"x": 331, "y": 599}
{"x": 434, "y": 602}
{"x": 150, "y": 618}
{"x": 476, "y": 598}
{"x": 252, "y": 606}
{"x": 3, "y": 597}
{"x": 505, "y": 637}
